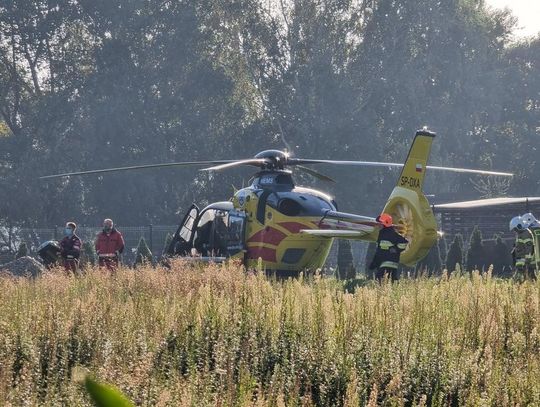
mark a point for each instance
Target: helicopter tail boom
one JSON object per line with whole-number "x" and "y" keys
{"x": 410, "y": 209}
{"x": 408, "y": 205}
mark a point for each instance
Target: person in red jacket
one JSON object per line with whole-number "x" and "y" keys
{"x": 109, "y": 245}
{"x": 70, "y": 248}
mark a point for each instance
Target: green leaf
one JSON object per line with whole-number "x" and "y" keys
{"x": 105, "y": 395}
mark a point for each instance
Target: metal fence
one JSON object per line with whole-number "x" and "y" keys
{"x": 154, "y": 235}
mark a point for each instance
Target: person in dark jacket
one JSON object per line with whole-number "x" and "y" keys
{"x": 70, "y": 248}
{"x": 523, "y": 251}
{"x": 109, "y": 245}
{"x": 390, "y": 244}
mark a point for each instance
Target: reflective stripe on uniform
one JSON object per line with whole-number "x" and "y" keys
{"x": 385, "y": 244}
{"x": 528, "y": 240}
{"x": 402, "y": 246}
{"x": 389, "y": 264}
{"x": 520, "y": 262}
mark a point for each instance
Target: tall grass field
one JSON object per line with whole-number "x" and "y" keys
{"x": 220, "y": 336}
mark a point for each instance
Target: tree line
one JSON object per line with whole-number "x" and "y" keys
{"x": 477, "y": 254}
{"x": 96, "y": 84}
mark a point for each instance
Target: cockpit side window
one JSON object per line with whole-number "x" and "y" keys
{"x": 289, "y": 207}
{"x": 235, "y": 236}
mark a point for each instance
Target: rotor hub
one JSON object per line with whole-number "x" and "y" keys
{"x": 276, "y": 159}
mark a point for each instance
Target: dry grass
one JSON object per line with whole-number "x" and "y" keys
{"x": 221, "y": 337}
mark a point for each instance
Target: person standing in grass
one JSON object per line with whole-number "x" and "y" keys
{"x": 523, "y": 250}
{"x": 390, "y": 244}
{"x": 109, "y": 245}
{"x": 70, "y": 248}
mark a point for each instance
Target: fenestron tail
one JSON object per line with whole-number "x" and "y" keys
{"x": 409, "y": 207}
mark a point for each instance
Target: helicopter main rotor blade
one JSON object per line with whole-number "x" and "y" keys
{"x": 137, "y": 167}
{"x": 398, "y": 165}
{"x": 315, "y": 174}
{"x": 250, "y": 161}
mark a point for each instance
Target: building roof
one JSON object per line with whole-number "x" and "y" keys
{"x": 487, "y": 203}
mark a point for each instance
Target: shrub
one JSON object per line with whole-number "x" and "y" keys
{"x": 455, "y": 253}
{"x": 143, "y": 255}
{"x": 88, "y": 255}
{"x": 22, "y": 251}
{"x": 166, "y": 244}
{"x": 476, "y": 254}
{"x": 501, "y": 258}
{"x": 431, "y": 263}
{"x": 443, "y": 250}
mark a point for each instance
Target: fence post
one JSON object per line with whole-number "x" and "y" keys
{"x": 151, "y": 230}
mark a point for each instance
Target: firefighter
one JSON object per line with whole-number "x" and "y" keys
{"x": 390, "y": 244}
{"x": 523, "y": 250}
{"x": 70, "y": 248}
{"x": 109, "y": 245}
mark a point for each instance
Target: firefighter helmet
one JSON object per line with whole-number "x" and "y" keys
{"x": 516, "y": 223}
{"x": 529, "y": 220}
{"x": 386, "y": 220}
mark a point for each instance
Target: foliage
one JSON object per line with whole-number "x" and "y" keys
{"x": 218, "y": 335}
{"x": 88, "y": 254}
{"x": 22, "y": 250}
{"x": 501, "y": 257}
{"x": 370, "y": 253}
{"x": 104, "y": 395}
{"x": 431, "y": 264}
{"x": 103, "y": 84}
{"x": 455, "y": 253}
{"x": 143, "y": 254}
{"x": 167, "y": 242}
{"x": 476, "y": 253}
{"x": 346, "y": 269}
{"x": 443, "y": 250}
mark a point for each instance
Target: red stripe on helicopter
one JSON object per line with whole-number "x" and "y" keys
{"x": 264, "y": 253}
{"x": 293, "y": 227}
{"x": 268, "y": 235}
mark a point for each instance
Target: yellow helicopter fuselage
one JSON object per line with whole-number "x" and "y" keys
{"x": 277, "y": 242}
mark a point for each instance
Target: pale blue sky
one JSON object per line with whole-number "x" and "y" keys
{"x": 527, "y": 12}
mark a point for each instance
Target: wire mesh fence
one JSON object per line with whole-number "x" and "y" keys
{"x": 154, "y": 235}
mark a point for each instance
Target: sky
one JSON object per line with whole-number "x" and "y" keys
{"x": 527, "y": 12}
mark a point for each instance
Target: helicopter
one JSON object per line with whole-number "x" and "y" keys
{"x": 285, "y": 228}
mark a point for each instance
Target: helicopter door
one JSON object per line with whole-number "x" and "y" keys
{"x": 183, "y": 238}
{"x": 235, "y": 233}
